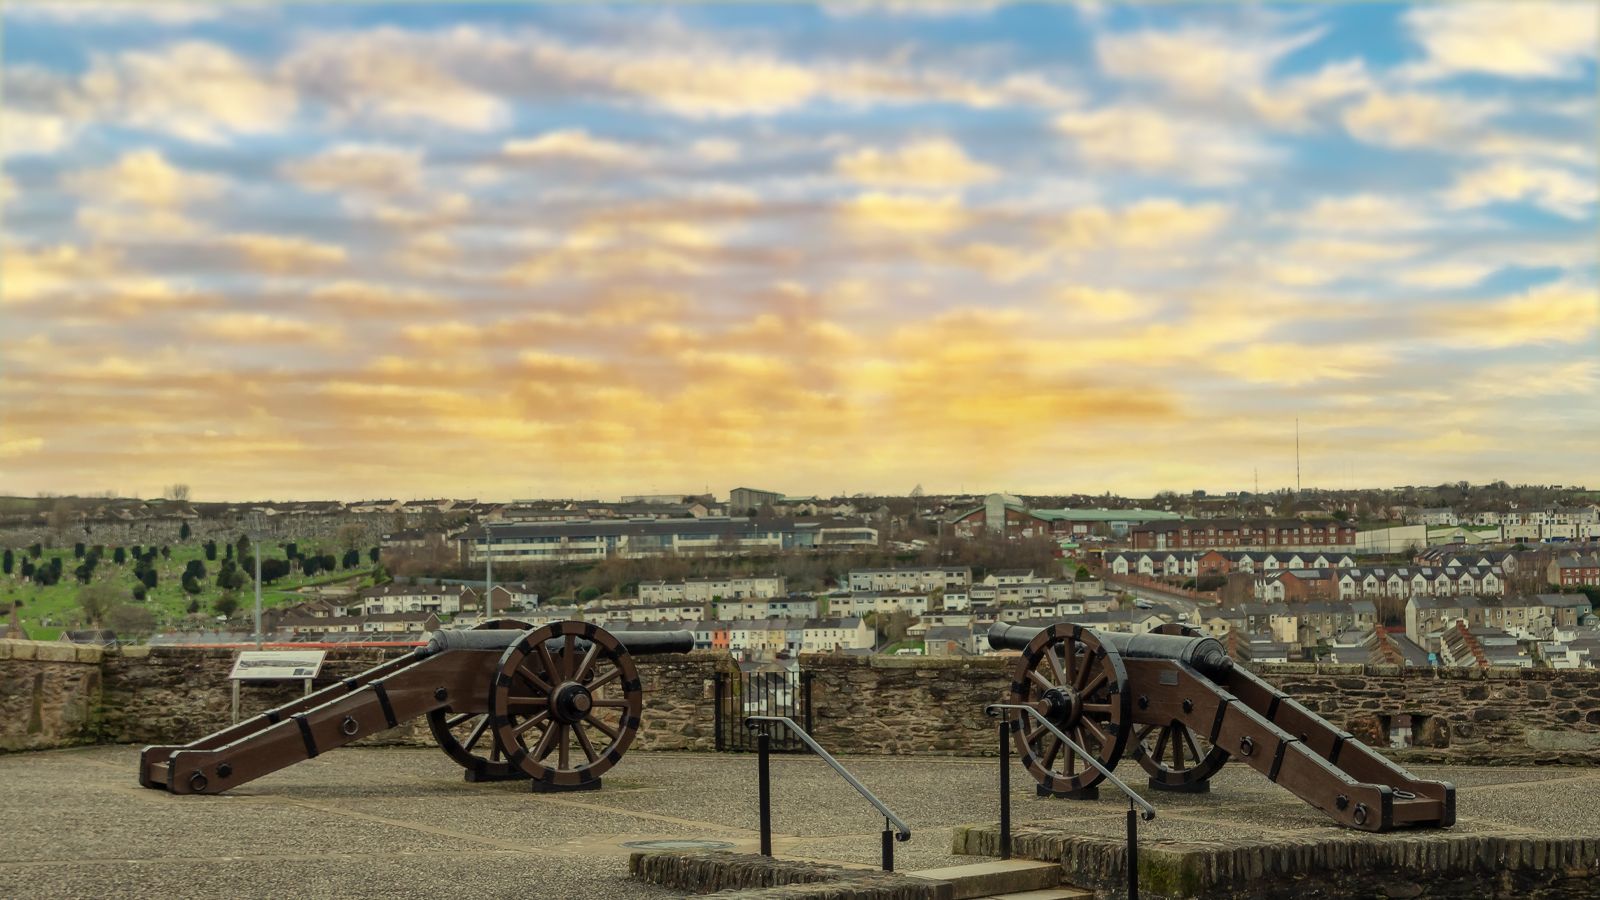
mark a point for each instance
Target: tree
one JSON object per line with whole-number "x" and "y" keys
{"x": 349, "y": 536}
{"x": 119, "y": 556}
{"x": 229, "y": 552}
{"x": 195, "y": 568}
{"x": 309, "y": 565}
{"x": 352, "y": 558}
{"x": 131, "y": 621}
{"x": 178, "y": 492}
{"x": 211, "y": 551}
{"x": 194, "y": 606}
{"x": 150, "y": 579}
{"x": 227, "y": 604}
{"x": 8, "y": 561}
{"x": 27, "y": 569}
{"x": 291, "y": 550}
{"x": 273, "y": 569}
{"x": 36, "y": 551}
{"x": 184, "y": 531}
{"x": 1082, "y": 574}
{"x": 191, "y": 585}
{"x": 137, "y": 551}
{"x": 97, "y": 601}
{"x": 371, "y": 554}
{"x": 166, "y": 552}
{"x": 140, "y": 592}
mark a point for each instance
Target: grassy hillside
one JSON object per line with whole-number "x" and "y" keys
{"x": 47, "y": 610}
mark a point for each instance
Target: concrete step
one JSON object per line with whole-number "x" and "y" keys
{"x": 996, "y": 877}
{"x": 1045, "y": 894}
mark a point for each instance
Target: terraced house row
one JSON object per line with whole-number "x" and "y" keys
{"x": 1237, "y": 534}
{"x": 1292, "y": 585}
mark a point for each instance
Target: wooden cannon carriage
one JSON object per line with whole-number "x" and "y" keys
{"x": 1175, "y": 701}
{"x": 558, "y": 705}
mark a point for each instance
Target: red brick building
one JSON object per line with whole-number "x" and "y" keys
{"x": 1235, "y": 534}
{"x": 1574, "y": 569}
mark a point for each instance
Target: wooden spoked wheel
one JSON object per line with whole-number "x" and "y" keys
{"x": 1173, "y": 754}
{"x": 1081, "y": 687}
{"x": 565, "y": 703}
{"x": 466, "y": 738}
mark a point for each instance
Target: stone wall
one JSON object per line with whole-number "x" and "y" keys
{"x": 56, "y": 695}
{"x": 1468, "y": 716}
{"x": 899, "y": 704}
{"x": 49, "y": 695}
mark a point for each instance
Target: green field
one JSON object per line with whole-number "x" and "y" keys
{"x": 46, "y": 611}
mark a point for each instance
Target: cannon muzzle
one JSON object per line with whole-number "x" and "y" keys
{"x": 1203, "y": 653}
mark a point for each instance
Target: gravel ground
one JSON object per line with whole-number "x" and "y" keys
{"x": 401, "y": 822}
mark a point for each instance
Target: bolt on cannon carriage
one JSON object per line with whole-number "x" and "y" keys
{"x": 557, "y": 704}
{"x": 1174, "y": 700}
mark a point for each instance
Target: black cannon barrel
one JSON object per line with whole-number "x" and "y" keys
{"x": 638, "y": 643}
{"x": 645, "y": 643}
{"x": 1004, "y": 636}
{"x": 1204, "y": 653}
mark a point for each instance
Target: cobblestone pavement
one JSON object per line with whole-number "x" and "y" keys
{"x": 401, "y": 823}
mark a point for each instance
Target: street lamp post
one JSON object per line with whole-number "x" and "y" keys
{"x": 255, "y": 540}
{"x": 488, "y": 573}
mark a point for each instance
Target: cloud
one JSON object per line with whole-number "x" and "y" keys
{"x": 367, "y": 297}
{"x": 27, "y": 133}
{"x": 387, "y": 76}
{"x": 715, "y": 150}
{"x": 1195, "y": 62}
{"x": 1293, "y": 365}
{"x": 1153, "y": 141}
{"x": 1556, "y": 190}
{"x": 1309, "y": 262}
{"x": 1511, "y": 40}
{"x": 1104, "y": 304}
{"x": 359, "y": 168}
{"x": 1415, "y": 119}
{"x": 1145, "y": 224}
{"x": 253, "y": 328}
{"x": 13, "y": 447}
{"x": 143, "y": 178}
{"x": 33, "y": 274}
{"x": 280, "y": 254}
{"x": 575, "y": 145}
{"x": 1362, "y": 213}
{"x": 1561, "y": 312}
{"x": 1438, "y": 276}
{"x": 193, "y": 90}
{"x": 904, "y": 213}
{"x": 928, "y": 163}
{"x": 1292, "y": 103}
{"x": 98, "y": 13}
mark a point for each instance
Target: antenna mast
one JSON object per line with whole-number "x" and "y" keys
{"x": 1297, "y": 455}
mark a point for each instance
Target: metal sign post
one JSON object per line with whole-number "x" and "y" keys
{"x": 274, "y": 665}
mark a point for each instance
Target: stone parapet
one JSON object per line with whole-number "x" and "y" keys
{"x": 750, "y": 876}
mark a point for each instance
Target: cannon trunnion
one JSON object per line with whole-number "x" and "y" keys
{"x": 1173, "y": 700}
{"x": 558, "y": 705}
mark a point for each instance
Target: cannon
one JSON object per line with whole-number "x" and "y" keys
{"x": 1173, "y": 700}
{"x": 557, "y": 705}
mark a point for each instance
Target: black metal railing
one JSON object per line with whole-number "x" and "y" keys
{"x": 894, "y": 828}
{"x": 741, "y": 694}
{"x": 1138, "y": 807}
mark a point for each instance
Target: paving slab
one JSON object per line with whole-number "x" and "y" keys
{"x": 400, "y": 822}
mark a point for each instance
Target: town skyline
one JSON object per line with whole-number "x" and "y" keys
{"x": 501, "y": 250}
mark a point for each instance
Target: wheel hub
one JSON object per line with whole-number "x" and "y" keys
{"x": 1064, "y": 705}
{"x": 571, "y": 702}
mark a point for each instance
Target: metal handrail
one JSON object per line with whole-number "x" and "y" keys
{"x": 903, "y": 830}
{"x": 1147, "y": 812}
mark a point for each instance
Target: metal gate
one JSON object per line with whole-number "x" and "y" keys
{"x": 761, "y": 694}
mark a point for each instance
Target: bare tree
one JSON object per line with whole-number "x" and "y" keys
{"x": 178, "y": 492}
{"x": 97, "y": 602}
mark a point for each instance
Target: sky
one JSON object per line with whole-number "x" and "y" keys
{"x": 509, "y": 250}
